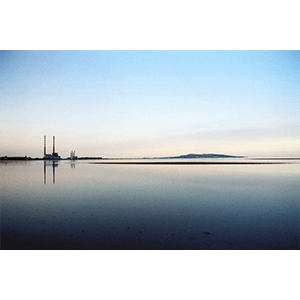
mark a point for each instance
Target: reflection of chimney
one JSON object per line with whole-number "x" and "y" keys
{"x": 44, "y": 145}
{"x": 44, "y": 172}
{"x": 53, "y": 145}
{"x": 53, "y": 169}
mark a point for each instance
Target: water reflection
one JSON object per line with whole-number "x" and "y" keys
{"x": 149, "y": 206}
{"x": 54, "y": 164}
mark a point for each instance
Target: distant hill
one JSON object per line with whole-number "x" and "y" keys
{"x": 210, "y": 155}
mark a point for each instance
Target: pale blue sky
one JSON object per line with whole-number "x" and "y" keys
{"x": 150, "y": 103}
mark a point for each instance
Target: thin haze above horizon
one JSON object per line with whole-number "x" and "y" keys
{"x": 150, "y": 103}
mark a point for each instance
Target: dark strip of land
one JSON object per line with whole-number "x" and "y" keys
{"x": 277, "y": 158}
{"x": 187, "y": 163}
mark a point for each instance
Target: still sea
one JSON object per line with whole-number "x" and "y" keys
{"x": 86, "y": 205}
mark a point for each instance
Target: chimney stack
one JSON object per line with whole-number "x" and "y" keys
{"x": 44, "y": 145}
{"x": 53, "y": 145}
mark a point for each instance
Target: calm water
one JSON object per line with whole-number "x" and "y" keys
{"x": 79, "y": 205}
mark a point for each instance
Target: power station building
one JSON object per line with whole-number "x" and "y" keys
{"x": 72, "y": 155}
{"x": 54, "y": 154}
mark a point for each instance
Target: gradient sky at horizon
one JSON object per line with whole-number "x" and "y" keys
{"x": 150, "y": 103}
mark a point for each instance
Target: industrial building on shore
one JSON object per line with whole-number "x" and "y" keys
{"x": 54, "y": 154}
{"x": 72, "y": 155}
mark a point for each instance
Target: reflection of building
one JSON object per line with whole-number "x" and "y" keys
{"x": 54, "y": 165}
{"x": 54, "y": 155}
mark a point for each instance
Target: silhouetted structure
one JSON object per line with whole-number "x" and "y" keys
{"x": 72, "y": 155}
{"x": 54, "y": 154}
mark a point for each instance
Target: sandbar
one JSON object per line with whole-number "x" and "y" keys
{"x": 187, "y": 163}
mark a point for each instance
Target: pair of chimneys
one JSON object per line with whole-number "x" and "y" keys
{"x": 45, "y": 145}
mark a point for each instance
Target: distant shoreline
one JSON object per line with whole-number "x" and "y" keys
{"x": 46, "y": 159}
{"x": 150, "y": 160}
{"x": 186, "y": 163}
{"x": 277, "y": 158}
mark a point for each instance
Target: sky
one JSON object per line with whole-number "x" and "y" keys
{"x": 150, "y": 103}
